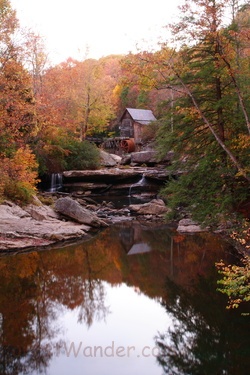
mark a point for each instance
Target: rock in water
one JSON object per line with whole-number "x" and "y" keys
{"x": 72, "y": 209}
{"x": 189, "y": 226}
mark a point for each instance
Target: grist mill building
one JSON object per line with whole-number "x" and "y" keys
{"x": 133, "y": 121}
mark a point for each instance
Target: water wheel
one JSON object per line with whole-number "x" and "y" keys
{"x": 128, "y": 145}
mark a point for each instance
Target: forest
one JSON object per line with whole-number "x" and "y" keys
{"x": 196, "y": 83}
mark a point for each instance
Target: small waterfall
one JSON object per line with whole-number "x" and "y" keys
{"x": 56, "y": 182}
{"x": 142, "y": 182}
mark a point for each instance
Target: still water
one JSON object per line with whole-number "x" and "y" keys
{"x": 135, "y": 299}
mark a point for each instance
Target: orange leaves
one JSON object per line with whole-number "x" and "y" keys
{"x": 17, "y": 106}
{"x": 26, "y": 165}
{"x": 19, "y": 175}
{"x": 80, "y": 94}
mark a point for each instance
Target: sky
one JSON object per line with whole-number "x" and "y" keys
{"x": 95, "y": 28}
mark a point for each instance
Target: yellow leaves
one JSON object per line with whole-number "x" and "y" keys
{"x": 243, "y": 238}
{"x": 117, "y": 90}
{"x": 241, "y": 142}
{"x": 236, "y": 282}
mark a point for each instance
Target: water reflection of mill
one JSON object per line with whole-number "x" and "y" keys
{"x": 132, "y": 240}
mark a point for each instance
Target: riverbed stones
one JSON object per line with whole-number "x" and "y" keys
{"x": 189, "y": 226}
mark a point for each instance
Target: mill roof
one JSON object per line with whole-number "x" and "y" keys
{"x": 142, "y": 116}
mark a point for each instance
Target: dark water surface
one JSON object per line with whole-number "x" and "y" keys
{"x": 135, "y": 299}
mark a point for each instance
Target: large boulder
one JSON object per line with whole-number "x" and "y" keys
{"x": 144, "y": 157}
{"x": 154, "y": 207}
{"x": 150, "y": 157}
{"x": 72, "y": 209}
{"x": 109, "y": 160}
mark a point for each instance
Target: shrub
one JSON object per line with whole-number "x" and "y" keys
{"x": 82, "y": 155}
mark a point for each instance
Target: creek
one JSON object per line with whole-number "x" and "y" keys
{"x": 136, "y": 298}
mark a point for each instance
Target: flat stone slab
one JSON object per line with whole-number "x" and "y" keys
{"x": 27, "y": 232}
{"x": 105, "y": 175}
{"x": 38, "y": 226}
{"x": 157, "y": 175}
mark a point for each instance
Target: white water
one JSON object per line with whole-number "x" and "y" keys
{"x": 56, "y": 182}
{"x": 142, "y": 182}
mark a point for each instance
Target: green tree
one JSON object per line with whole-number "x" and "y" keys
{"x": 81, "y": 155}
{"x": 212, "y": 125}
{"x": 206, "y": 123}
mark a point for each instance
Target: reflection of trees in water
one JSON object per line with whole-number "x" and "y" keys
{"x": 203, "y": 338}
{"x": 93, "y": 303}
{"x": 45, "y": 313}
{"x": 30, "y": 303}
{"x": 34, "y": 287}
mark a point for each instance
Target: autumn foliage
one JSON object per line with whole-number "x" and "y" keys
{"x": 197, "y": 86}
{"x": 19, "y": 176}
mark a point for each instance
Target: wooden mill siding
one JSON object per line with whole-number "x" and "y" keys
{"x": 127, "y": 128}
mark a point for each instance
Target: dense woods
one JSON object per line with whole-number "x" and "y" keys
{"x": 196, "y": 83}
{"x": 205, "y": 117}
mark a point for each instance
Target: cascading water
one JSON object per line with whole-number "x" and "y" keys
{"x": 56, "y": 182}
{"x": 141, "y": 182}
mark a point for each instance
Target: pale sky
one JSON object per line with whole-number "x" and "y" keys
{"x": 104, "y": 26}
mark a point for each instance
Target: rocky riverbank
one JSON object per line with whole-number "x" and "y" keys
{"x": 73, "y": 214}
{"x": 67, "y": 219}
